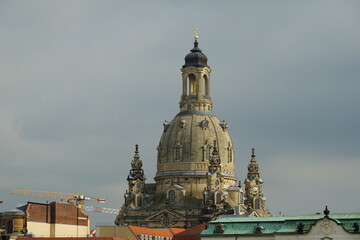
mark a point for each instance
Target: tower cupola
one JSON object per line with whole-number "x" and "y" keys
{"x": 196, "y": 81}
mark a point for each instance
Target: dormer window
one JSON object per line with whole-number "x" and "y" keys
{"x": 258, "y": 229}
{"x": 219, "y": 228}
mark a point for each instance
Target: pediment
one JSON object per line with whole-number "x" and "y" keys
{"x": 254, "y": 214}
{"x": 173, "y": 215}
{"x": 327, "y": 226}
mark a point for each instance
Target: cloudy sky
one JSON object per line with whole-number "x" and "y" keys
{"x": 81, "y": 82}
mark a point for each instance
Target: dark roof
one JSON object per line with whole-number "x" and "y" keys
{"x": 195, "y": 58}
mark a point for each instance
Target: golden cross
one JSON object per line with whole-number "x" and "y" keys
{"x": 196, "y": 33}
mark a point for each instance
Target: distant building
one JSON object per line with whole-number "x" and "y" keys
{"x": 195, "y": 180}
{"x": 56, "y": 219}
{"x": 12, "y": 224}
{"x": 305, "y": 227}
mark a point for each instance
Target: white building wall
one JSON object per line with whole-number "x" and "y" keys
{"x": 67, "y": 230}
{"x": 40, "y": 229}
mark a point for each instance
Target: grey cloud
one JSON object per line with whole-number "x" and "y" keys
{"x": 82, "y": 82}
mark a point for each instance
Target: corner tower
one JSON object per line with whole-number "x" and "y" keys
{"x": 195, "y": 179}
{"x": 255, "y": 199}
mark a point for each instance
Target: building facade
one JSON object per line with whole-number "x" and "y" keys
{"x": 306, "y": 227}
{"x": 55, "y": 219}
{"x": 195, "y": 179}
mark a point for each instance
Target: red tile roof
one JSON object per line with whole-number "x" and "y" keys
{"x": 177, "y": 230}
{"x": 191, "y": 233}
{"x": 150, "y": 231}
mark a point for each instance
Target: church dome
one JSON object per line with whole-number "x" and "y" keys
{"x": 188, "y": 141}
{"x": 195, "y": 58}
{"x": 195, "y": 179}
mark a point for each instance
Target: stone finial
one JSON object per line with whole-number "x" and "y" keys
{"x": 166, "y": 125}
{"x": 136, "y": 148}
{"x": 136, "y": 163}
{"x": 215, "y": 152}
{"x": 214, "y": 159}
{"x": 326, "y": 212}
{"x": 253, "y": 167}
{"x": 223, "y": 125}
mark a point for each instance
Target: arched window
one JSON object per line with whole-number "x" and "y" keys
{"x": 192, "y": 85}
{"x": 139, "y": 201}
{"x": 257, "y": 203}
{"x": 205, "y": 83}
{"x": 217, "y": 198}
{"x": 172, "y": 196}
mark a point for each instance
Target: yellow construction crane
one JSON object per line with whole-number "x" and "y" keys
{"x": 102, "y": 210}
{"x": 78, "y": 198}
